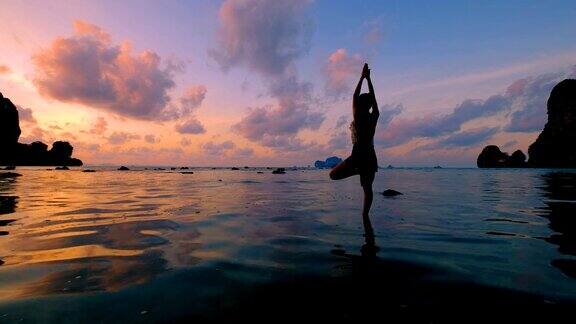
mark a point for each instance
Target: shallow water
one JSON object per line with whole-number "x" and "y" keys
{"x": 161, "y": 245}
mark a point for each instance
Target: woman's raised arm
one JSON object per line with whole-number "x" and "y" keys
{"x": 375, "y": 110}
{"x": 357, "y": 92}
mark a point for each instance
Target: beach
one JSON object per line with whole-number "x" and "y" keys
{"x": 145, "y": 245}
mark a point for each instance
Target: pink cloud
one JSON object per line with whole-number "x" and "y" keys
{"x": 99, "y": 126}
{"x": 185, "y": 142}
{"x": 88, "y": 68}
{"x": 189, "y": 102}
{"x": 36, "y": 134}
{"x": 4, "y": 69}
{"x": 340, "y": 71}
{"x": 517, "y": 87}
{"x": 193, "y": 97}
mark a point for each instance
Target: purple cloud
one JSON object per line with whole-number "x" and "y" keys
{"x": 151, "y": 139}
{"x": 468, "y": 138}
{"x": 400, "y": 131}
{"x": 191, "y": 126}
{"x": 524, "y": 102}
{"x": 26, "y": 115}
{"x": 267, "y": 37}
{"x": 532, "y": 95}
{"x": 212, "y": 148}
{"x": 244, "y": 152}
{"x": 118, "y": 138}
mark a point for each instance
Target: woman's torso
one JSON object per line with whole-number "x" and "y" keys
{"x": 362, "y": 131}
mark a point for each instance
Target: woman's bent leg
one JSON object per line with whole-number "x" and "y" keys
{"x": 343, "y": 170}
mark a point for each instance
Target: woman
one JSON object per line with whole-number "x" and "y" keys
{"x": 363, "y": 159}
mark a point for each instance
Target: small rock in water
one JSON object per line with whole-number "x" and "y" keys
{"x": 88, "y": 170}
{"x": 5, "y": 175}
{"x": 235, "y": 168}
{"x": 391, "y": 193}
{"x": 62, "y": 168}
{"x": 123, "y": 168}
{"x": 190, "y": 172}
{"x": 279, "y": 171}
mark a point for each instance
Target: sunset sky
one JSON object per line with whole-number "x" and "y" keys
{"x": 256, "y": 82}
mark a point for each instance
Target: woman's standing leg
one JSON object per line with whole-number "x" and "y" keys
{"x": 366, "y": 180}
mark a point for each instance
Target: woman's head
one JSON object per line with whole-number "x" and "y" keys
{"x": 365, "y": 102}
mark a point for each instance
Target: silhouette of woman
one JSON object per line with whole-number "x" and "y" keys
{"x": 363, "y": 160}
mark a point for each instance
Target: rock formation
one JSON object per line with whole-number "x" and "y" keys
{"x": 329, "y": 163}
{"x": 391, "y": 193}
{"x": 9, "y": 125}
{"x": 7, "y": 175}
{"x": 517, "y": 160}
{"x": 554, "y": 147}
{"x": 37, "y": 153}
{"x": 492, "y": 157}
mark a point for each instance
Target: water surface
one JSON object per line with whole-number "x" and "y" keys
{"x": 160, "y": 245}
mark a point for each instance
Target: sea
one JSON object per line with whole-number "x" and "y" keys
{"x": 215, "y": 244}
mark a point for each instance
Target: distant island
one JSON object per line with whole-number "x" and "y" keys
{"x": 328, "y": 163}
{"x": 555, "y": 147}
{"x": 13, "y": 153}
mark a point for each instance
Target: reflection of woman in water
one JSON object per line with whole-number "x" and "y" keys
{"x": 363, "y": 159}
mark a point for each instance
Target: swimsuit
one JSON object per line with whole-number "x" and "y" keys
{"x": 363, "y": 157}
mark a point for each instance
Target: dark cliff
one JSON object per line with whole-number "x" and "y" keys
{"x": 37, "y": 153}
{"x": 555, "y": 146}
